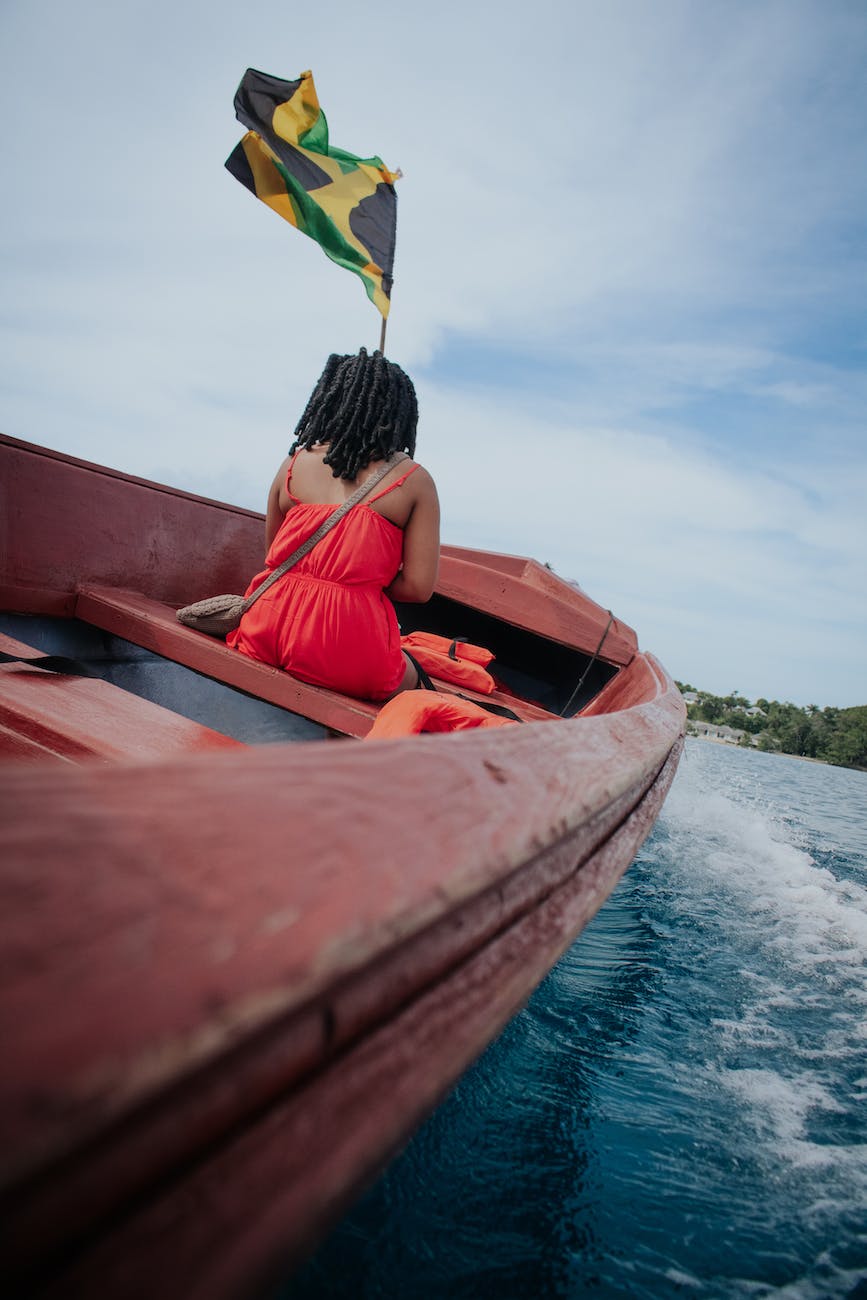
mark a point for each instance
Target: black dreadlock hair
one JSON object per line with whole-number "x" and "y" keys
{"x": 363, "y": 406}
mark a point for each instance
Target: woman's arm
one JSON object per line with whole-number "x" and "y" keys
{"x": 417, "y": 577}
{"x": 274, "y": 513}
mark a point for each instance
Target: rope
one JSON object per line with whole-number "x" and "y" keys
{"x": 591, "y": 662}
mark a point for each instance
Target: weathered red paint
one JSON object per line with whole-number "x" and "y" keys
{"x": 631, "y": 686}
{"x": 302, "y": 1162}
{"x": 526, "y": 593}
{"x": 65, "y": 521}
{"x": 50, "y": 715}
{"x": 232, "y": 983}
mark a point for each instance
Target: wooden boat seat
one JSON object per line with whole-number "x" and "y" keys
{"x": 154, "y": 626}
{"x": 70, "y": 718}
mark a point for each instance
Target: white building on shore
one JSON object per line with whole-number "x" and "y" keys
{"x": 719, "y": 731}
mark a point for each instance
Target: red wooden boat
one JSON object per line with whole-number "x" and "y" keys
{"x": 237, "y": 975}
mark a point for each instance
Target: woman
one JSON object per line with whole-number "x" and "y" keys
{"x": 329, "y": 620}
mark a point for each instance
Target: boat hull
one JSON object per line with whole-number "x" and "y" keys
{"x": 234, "y": 980}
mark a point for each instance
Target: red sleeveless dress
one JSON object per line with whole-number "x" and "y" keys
{"x": 328, "y": 621}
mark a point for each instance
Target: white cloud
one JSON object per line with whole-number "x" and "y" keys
{"x": 695, "y": 551}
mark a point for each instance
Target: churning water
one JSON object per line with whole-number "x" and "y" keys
{"x": 681, "y": 1110}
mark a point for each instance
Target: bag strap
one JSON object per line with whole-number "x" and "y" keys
{"x": 424, "y": 680}
{"x": 360, "y": 492}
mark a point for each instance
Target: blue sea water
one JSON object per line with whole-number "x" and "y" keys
{"x": 681, "y": 1109}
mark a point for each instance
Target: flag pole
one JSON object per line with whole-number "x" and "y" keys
{"x": 382, "y": 335}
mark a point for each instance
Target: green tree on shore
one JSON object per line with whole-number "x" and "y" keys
{"x": 833, "y": 735}
{"x": 847, "y": 742}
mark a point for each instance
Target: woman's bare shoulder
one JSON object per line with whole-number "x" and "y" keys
{"x": 422, "y": 479}
{"x": 277, "y": 491}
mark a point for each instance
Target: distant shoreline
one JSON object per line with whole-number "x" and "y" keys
{"x": 835, "y": 737}
{"x": 774, "y": 753}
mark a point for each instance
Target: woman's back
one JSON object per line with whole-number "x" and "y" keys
{"x": 306, "y": 479}
{"x": 406, "y": 499}
{"x": 366, "y": 547}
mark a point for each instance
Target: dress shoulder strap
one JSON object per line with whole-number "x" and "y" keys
{"x": 289, "y": 475}
{"x": 396, "y": 484}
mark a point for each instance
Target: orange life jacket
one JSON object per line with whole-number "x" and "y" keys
{"x": 413, "y": 712}
{"x": 459, "y": 662}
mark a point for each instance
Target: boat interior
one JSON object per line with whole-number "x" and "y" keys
{"x": 84, "y": 588}
{"x": 535, "y": 679}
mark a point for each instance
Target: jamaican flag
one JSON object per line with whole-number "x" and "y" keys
{"x": 347, "y": 204}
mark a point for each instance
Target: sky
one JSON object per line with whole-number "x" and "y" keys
{"x": 630, "y": 286}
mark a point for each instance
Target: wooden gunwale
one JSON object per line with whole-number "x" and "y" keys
{"x": 331, "y": 1032}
